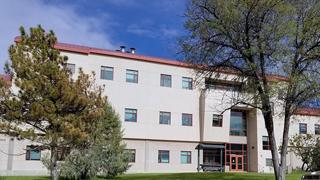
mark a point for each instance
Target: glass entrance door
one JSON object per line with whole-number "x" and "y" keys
{"x": 236, "y": 162}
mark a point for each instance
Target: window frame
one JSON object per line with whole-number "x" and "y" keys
{"x": 187, "y": 80}
{"x": 219, "y": 118}
{"x": 160, "y": 117}
{"x": 132, "y": 157}
{"x": 135, "y": 114}
{"x": 160, "y": 153}
{"x": 301, "y": 128}
{"x": 188, "y": 155}
{"x": 135, "y": 74}
{"x": 265, "y": 146}
{"x": 186, "y": 114}
{"x": 106, "y": 67}
{"x": 72, "y": 71}
{"x": 29, "y": 150}
{"x": 162, "y": 80}
{"x": 317, "y": 129}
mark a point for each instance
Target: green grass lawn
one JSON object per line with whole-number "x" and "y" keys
{"x": 180, "y": 176}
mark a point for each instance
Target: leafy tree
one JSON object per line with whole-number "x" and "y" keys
{"x": 46, "y": 105}
{"x": 304, "y": 146}
{"x": 103, "y": 154}
{"x": 253, "y": 39}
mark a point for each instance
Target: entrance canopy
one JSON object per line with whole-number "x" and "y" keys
{"x": 210, "y": 146}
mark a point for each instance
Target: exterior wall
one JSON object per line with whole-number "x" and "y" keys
{"x": 147, "y": 136}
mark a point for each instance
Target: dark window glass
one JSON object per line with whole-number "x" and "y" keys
{"x": 185, "y": 157}
{"x": 186, "y": 83}
{"x": 106, "y": 73}
{"x": 165, "y": 80}
{"x": 163, "y": 156}
{"x": 132, "y": 76}
{"x": 186, "y": 119}
{"x": 130, "y": 115}
{"x": 303, "y": 128}
{"x": 238, "y": 123}
{"x": 269, "y": 162}
{"x": 217, "y": 120}
{"x": 132, "y": 155}
{"x": 165, "y": 117}
{"x": 71, "y": 68}
{"x": 33, "y": 153}
{"x": 265, "y": 143}
{"x": 317, "y": 129}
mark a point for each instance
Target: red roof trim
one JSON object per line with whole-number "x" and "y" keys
{"x": 308, "y": 112}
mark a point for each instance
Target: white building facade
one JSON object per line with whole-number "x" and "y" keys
{"x": 171, "y": 123}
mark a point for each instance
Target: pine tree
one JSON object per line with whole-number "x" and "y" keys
{"x": 49, "y": 107}
{"x": 103, "y": 154}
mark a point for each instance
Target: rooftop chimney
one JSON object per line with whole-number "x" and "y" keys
{"x": 123, "y": 49}
{"x": 132, "y": 50}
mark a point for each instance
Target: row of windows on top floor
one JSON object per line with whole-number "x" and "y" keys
{"x": 132, "y": 76}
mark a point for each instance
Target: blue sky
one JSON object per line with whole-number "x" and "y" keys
{"x": 151, "y": 26}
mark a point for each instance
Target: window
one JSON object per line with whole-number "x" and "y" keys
{"x": 132, "y": 76}
{"x": 269, "y": 162}
{"x": 71, "y": 68}
{"x": 132, "y": 155}
{"x": 238, "y": 123}
{"x": 186, "y": 83}
{"x": 217, "y": 120}
{"x": 106, "y": 73}
{"x": 302, "y": 128}
{"x": 33, "y": 153}
{"x": 163, "y": 156}
{"x": 165, "y": 117}
{"x": 317, "y": 129}
{"x": 165, "y": 80}
{"x": 185, "y": 157}
{"x": 186, "y": 119}
{"x": 223, "y": 85}
{"x": 130, "y": 115}
{"x": 265, "y": 143}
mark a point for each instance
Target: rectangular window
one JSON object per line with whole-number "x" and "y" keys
{"x": 165, "y": 117}
{"x": 130, "y": 115}
{"x": 238, "y": 123}
{"x": 132, "y": 155}
{"x": 71, "y": 68}
{"x": 265, "y": 143}
{"x": 33, "y": 153}
{"x": 186, "y": 119}
{"x": 217, "y": 120}
{"x": 165, "y": 80}
{"x": 132, "y": 76}
{"x": 302, "y": 128}
{"x": 317, "y": 129}
{"x": 163, "y": 156}
{"x": 185, "y": 157}
{"x": 269, "y": 162}
{"x": 186, "y": 83}
{"x": 106, "y": 73}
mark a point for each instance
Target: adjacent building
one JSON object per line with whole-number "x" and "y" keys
{"x": 171, "y": 122}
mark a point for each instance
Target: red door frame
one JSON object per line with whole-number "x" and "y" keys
{"x": 237, "y": 157}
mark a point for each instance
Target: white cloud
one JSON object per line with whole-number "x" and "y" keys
{"x": 68, "y": 25}
{"x": 147, "y": 28}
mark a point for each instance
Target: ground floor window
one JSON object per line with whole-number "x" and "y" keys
{"x": 33, "y": 153}
{"x": 185, "y": 157}
{"x": 132, "y": 155}
{"x": 163, "y": 156}
{"x": 239, "y": 153}
{"x": 269, "y": 162}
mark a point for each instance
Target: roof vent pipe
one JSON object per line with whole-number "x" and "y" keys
{"x": 123, "y": 49}
{"x": 132, "y": 50}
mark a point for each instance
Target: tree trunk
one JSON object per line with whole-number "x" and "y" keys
{"x": 53, "y": 164}
{"x": 273, "y": 146}
{"x": 284, "y": 146}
